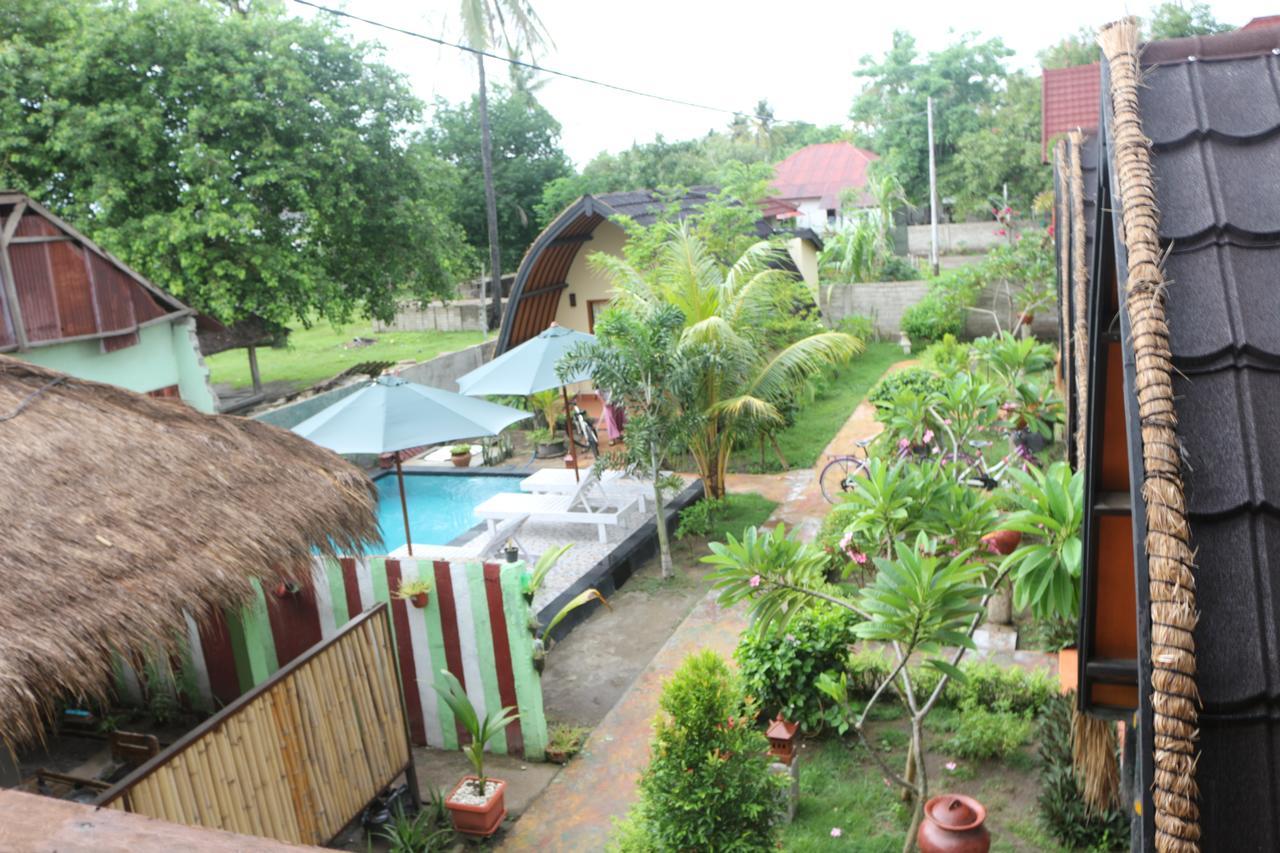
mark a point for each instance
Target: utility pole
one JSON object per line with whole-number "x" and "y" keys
{"x": 933, "y": 195}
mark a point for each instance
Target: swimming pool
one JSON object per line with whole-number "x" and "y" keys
{"x": 440, "y": 505}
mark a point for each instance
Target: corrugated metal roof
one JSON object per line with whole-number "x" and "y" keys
{"x": 64, "y": 287}
{"x": 824, "y": 171}
{"x": 1069, "y": 100}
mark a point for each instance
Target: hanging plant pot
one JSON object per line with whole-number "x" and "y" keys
{"x": 512, "y": 553}
{"x": 539, "y": 656}
{"x": 1003, "y": 542}
{"x": 1026, "y": 318}
{"x": 419, "y": 599}
{"x": 1068, "y": 673}
{"x": 286, "y": 589}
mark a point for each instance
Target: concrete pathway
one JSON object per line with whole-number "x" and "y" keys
{"x": 577, "y": 810}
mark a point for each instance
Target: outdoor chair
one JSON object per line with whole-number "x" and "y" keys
{"x": 488, "y": 543}
{"x": 574, "y": 508}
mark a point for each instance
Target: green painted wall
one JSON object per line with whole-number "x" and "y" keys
{"x": 166, "y": 354}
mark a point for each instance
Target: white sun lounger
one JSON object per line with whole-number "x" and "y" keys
{"x": 488, "y": 542}
{"x": 560, "y": 481}
{"x": 574, "y": 508}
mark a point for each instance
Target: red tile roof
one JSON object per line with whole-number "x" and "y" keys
{"x": 823, "y": 171}
{"x": 1069, "y": 100}
{"x": 1264, "y": 21}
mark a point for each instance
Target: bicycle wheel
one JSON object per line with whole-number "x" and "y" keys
{"x": 837, "y": 476}
{"x": 584, "y": 434}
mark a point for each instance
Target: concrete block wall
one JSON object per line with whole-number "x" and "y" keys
{"x": 463, "y": 315}
{"x": 960, "y": 236}
{"x": 886, "y": 301}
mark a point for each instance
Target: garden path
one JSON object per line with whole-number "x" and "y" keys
{"x": 577, "y": 810}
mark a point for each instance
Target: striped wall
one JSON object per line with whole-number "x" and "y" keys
{"x": 476, "y": 625}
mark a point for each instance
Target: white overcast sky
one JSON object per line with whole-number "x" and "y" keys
{"x": 727, "y": 53}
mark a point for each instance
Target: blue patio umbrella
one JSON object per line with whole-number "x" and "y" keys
{"x": 530, "y": 368}
{"x": 391, "y": 414}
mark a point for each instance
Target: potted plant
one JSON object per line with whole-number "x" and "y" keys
{"x": 460, "y": 454}
{"x": 546, "y": 442}
{"x": 563, "y": 742}
{"x": 511, "y": 551}
{"x": 416, "y": 592}
{"x": 286, "y": 589}
{"x": 477, "y": 803}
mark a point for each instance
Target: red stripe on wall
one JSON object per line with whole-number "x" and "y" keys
{"x": 351, "y": 585}
{"x": 219, "y": 657}
{"x": 449, "y": 628}
{"x": 404, "y": 651}
{"x": 502, "y": 653}
{"x": 295, "y": 621}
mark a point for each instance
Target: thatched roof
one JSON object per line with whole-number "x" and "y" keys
{"x": 120, "y": 511}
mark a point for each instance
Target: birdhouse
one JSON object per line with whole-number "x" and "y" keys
{"x": 782, "y": 735}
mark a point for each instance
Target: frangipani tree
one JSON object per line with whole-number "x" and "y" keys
{"x": 740, "y": 382}
{"x": 925, "y": 601}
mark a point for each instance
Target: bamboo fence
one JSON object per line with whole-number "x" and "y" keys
{"x": 296, "y": 758}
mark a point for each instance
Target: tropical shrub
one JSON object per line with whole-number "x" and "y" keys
{"x": 981, "y": 734}
{"x": 985, "y": 684}
{"x": 859, "y": 326}
{"x": 1046, "y": 569}
{"x": 917, "y": 379}
{"x": 1063, "y": 809}
{"x": 933, "y": 318}
{"x": 779, "y": 668}
{"x": 708, "y": 784}
{"x": 696, "y": 519}
{"x": 947, "y": 356}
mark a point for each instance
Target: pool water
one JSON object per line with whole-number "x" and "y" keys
{"x": 440, "y": 506}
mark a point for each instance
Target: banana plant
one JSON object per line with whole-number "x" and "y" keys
{"x": 1046, "y": 570}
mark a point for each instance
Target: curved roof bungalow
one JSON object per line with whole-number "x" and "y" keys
{"x": 1169, "y": 246}
{"x": 556, "y": 284}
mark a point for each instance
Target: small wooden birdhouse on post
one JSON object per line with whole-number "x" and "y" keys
{"x": 782, "y": 735}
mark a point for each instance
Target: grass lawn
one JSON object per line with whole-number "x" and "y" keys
{"x": 820, "y": 419}
{"x": 841, "y": 787}
{"x": 319, "y": 353}
{"x": 740, "y": 511}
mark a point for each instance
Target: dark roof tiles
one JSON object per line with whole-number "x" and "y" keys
{"x": 1208, "y": 184}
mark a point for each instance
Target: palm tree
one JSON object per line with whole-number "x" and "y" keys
{"x": 515, "y": 25}
{"x": 742, "y": 382}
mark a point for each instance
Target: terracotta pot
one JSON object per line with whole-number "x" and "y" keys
{"x": 419, "y": 599}
{"x": 953, "y": 824}
{"x": 481, "y": 821}
{"x": 557, "y": 756}
{"x": 1068, "y": 672}
{"x": 1003, "y": 542}
{"x": 1026, "y": 319}
{"x": 461, "y": 460}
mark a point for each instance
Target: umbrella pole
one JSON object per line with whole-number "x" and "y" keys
{"x": 404, "y": 505}
{"x": 568, "y": 431}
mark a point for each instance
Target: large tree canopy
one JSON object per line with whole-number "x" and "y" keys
{"x": 964, "y": 79}
{"x": 1176, "y": 19}
{"x": 250, "y": 162}
{"x": 526, "y": 156}
{"x": 1003, "y": 152}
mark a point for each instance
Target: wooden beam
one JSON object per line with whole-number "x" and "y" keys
{"x": 50, "y": 238}
{"x": 9, "y": 283}
{"x": 570, "y": 239}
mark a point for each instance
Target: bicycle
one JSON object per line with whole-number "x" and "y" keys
{"x": 584, "y": 431}
{"x": 838, "y": 475}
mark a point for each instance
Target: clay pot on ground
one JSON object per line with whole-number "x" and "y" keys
{"x": 953, "y": 824}
{"x": 1068, "y": 674}
{"x": 461, "y": 460}
{"x": 481, "y": 820}
{"x": 1003, "y": 542}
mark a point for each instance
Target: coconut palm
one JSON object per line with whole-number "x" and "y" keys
{"x": 743, "y": 383}
{"x": 515, "y": 25}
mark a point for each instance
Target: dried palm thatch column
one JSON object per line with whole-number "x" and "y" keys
{"x": 1079, "y": 285}
{"x": 1061, "y": 216}
{"x": 1170, "y": 561}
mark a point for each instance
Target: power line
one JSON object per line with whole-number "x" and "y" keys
{"x": 532, "y": 66}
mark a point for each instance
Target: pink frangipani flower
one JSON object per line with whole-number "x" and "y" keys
{"x": 928, "y": 436}
{"x": 904, "y": 444}
{"x": 754, "y": 582}
{"x": 859, "y": 558}
{"x": 836, "y": 832}
{"x": 951, "y": 766}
